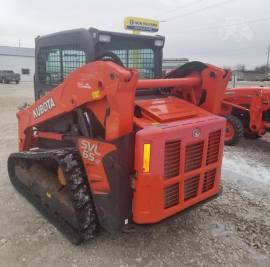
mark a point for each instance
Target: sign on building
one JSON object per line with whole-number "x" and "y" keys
{"x": 141, "y": 24}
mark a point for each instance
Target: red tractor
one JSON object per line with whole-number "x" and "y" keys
{"x": 247, "y": 111}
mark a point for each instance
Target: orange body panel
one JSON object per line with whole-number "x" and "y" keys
{"x": 169, "y": 109}
{"x": 163, "y": 191}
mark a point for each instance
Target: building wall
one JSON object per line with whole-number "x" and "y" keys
{"x": 17, "y": 63}
{"x": 249, "y": 76}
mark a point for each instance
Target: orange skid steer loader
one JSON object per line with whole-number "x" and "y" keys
{"x": 106, "y": 143}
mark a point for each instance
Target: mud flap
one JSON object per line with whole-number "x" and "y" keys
{"x": 109, "y": 167}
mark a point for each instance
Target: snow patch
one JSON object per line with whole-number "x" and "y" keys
{"x": 241, "y": 166}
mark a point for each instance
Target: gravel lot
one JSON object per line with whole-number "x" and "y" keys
{"x": 233, "y": 230}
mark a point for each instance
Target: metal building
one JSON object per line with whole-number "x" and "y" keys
{"x": 19, "y": 59}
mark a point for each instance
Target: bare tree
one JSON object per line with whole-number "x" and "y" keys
{"x": 240, "y": 67}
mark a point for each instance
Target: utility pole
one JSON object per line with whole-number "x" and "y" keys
{"x": 19, "y": 42}
{"x": 267, "y": 62}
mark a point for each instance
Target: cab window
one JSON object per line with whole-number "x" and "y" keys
{"x": 141, "y": 59}
{"x": 54, "y": 64}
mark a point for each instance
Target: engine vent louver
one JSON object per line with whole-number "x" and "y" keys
{"x": 213, "y": 147}
{"x": 190, "y": 170}
{"x": 171, "y": 159}
{"x": 191, "y": 187}
{"x": 194, "y": 154}
{"x": 209, "y": 180}
{"x": 171, "y": 196}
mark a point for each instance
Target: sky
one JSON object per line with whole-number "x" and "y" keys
{"x": 220, "y": 32}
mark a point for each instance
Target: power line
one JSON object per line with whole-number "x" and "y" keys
{"x": 190, "y": 4}
{"x": 236, "y": 49}
{"x": 241, "y": 48}
{"x": 197, "y": 11}
{"x": 232, "y": 50}
{"x": 219, "y": 26}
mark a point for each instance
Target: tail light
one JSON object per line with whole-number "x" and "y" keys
{"x": 146, "y": 157}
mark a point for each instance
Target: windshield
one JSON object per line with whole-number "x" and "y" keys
{"x": 141, "y": 59}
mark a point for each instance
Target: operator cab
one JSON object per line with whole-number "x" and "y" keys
{"x": 61, "y": 53}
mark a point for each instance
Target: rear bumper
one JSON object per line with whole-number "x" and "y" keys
{"x": 184, "y": 169}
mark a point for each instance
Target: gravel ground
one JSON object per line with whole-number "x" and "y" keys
{"x": 232, "y": 230}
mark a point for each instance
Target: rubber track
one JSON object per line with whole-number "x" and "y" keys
{"x": 69, "y": 160}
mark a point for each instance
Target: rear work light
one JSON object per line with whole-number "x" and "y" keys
{"x": 146, "y": 157}
{"x": 159, "y": 42}
{"x": 104, "y": 38}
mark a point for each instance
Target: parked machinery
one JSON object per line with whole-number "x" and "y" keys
{"x": 247, "y": 111}
{"x": 103, "y": 145}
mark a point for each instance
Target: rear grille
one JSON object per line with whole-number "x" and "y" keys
{"x": 213, "y": 147}
{"x": 194, "y": 154}
{"x": 171, "y": 159}
{"x": 171, "y": 196}
{"x": 191, "y": 187}
{"x": 209, "y": 180}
